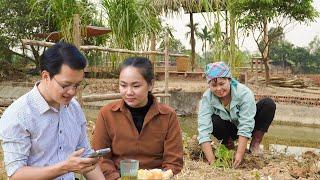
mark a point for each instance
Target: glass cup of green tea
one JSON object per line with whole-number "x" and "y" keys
{"x": 129, "y": 169}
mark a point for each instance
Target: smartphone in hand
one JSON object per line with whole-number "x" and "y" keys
{"x": 98, "y": 153}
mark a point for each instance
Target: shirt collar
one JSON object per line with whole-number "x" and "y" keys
{"x": 40, "y": 103}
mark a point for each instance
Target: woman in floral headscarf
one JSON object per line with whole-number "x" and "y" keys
{"x": 228, "y": 111}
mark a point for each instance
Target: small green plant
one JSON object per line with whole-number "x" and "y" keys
{"x": 257, "y": 175}
{"x": 224, "y": 157}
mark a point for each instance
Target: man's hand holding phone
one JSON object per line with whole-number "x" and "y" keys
{"x": 76, "y": 163}
{"x": 79, "y": 163}
{"x": 98, "y": 153}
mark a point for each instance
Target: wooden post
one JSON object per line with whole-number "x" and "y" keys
{"x": 95, "y": 72}
{"x": 166, "y": 69}
{"x": 245, "y": 77}
{"x": 251, "y": 66}
{"x": 153, "y": 56}
{"x": 77, "y": 43}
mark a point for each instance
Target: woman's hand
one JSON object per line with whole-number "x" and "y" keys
{"x": 242, "y": 145}
{"x": 238, "y": 160}
{"x": 207, "y": 149}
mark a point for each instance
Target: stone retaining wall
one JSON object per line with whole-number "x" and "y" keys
{"x": 290, "y": 109}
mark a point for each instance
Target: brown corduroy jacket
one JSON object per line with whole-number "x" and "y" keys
{"x": 159, "y": 144}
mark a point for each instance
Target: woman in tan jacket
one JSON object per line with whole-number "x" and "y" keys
{"x": 137, "y": 126}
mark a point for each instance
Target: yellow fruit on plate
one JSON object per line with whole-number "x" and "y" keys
{"x": 153, "y": 174}
{"x": 167, "y": 174}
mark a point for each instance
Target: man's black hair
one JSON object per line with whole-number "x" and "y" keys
{"x": 62, "y": 53}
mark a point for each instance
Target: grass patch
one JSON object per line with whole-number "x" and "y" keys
{"x": 269, "y": 139}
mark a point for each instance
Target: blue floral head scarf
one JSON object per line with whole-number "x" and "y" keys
{"x": 217, "y": 70}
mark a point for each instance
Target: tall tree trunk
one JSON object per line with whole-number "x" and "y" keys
{"x": 227, "y": 24}
{"x": 232, "y": 42}
{"x": 193, "y": 42}
{"x": 265, "y": 54}
{"x": 166, "y": 69}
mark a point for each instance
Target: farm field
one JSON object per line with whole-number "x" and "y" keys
{"x": 273, "y": 47}
{"x": 281, "y": 159}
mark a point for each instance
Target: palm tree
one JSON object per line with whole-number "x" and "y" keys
{"x": 207, "y": 37}
{"x": 190, "y": 7}
{"x": 193, "y": 28}
{"x": 192, "y": 42}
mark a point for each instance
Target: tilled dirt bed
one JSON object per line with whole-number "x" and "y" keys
{"x": 269, "y": 167}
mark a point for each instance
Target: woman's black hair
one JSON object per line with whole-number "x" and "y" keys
{"x": 143, "y": 64}
{"x": 216, "y": 79}
{"x": 61, "y": 53}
